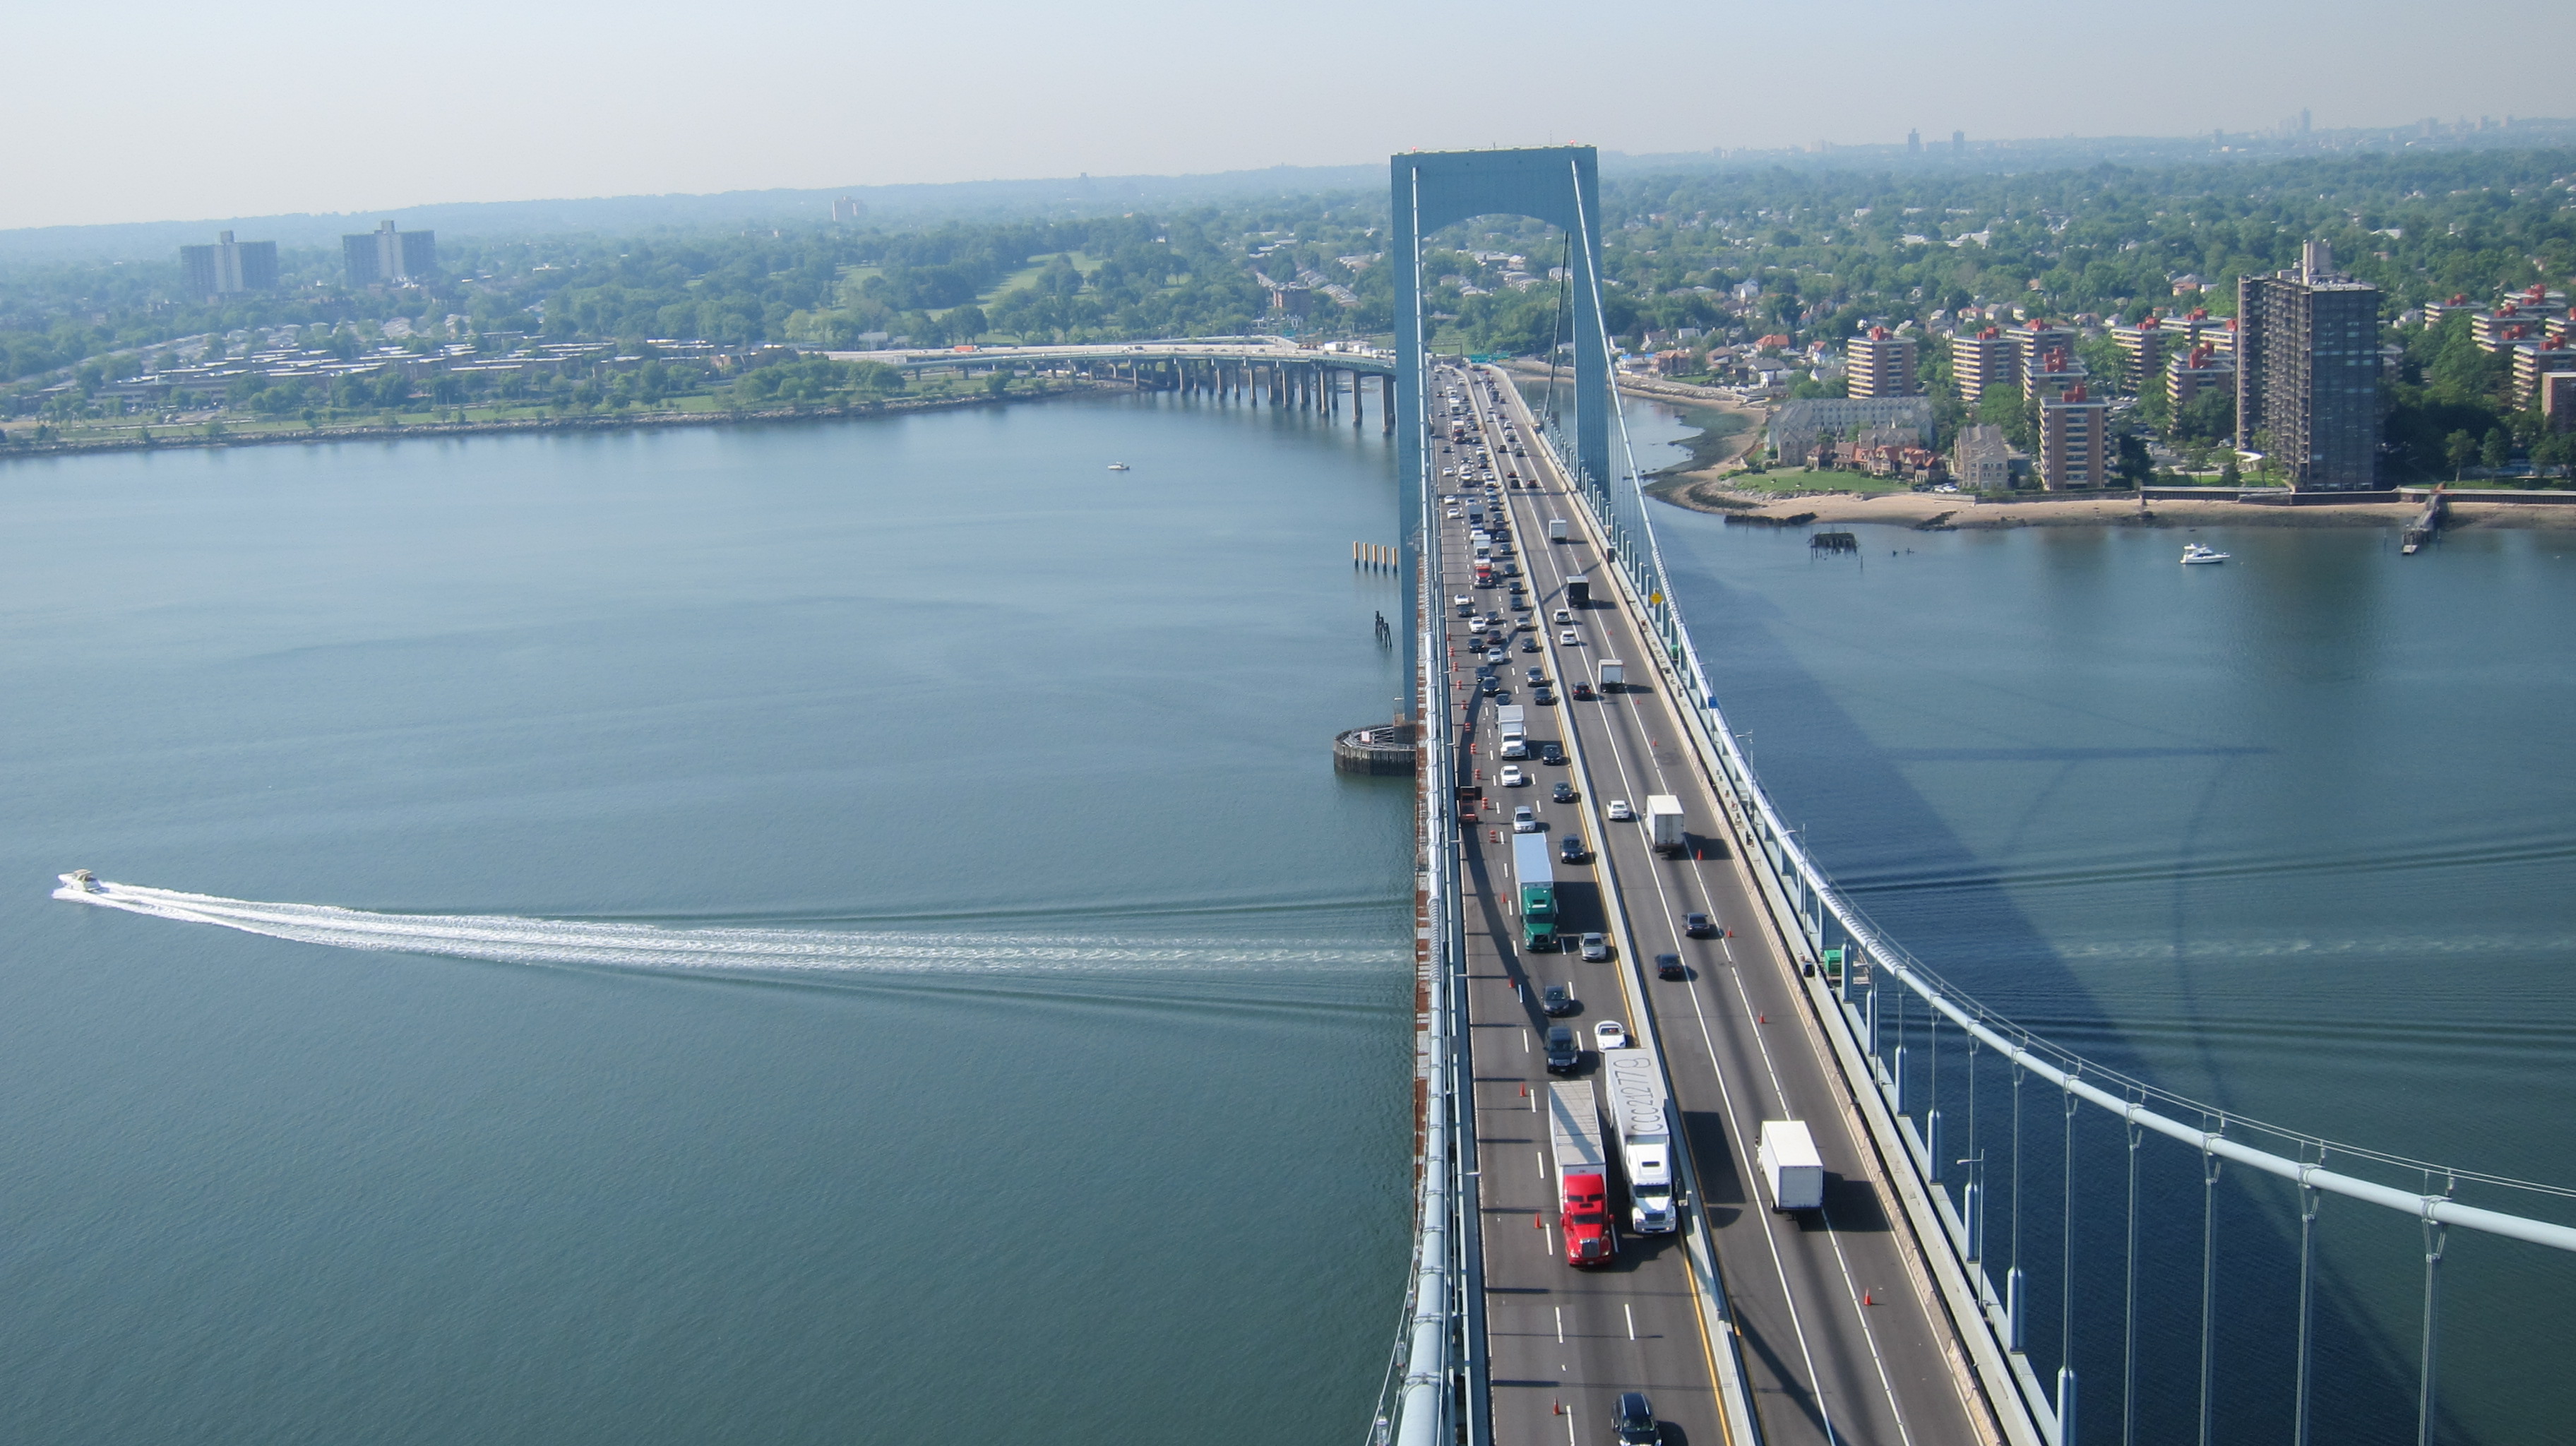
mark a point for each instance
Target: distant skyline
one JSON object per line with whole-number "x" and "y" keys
{"x": 156, "y": 111}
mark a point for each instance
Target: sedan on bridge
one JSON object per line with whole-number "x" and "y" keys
{"x": 1513, "y": 777}
{"x": 1620, "y": 812}
{"x": 1560, "y": 1001}
{"x": 1525, "y": 819}
{"x": 1609, "y": 1034}
{"x": 1569, "y": 638}
{"x": 1596, "y": 947}
{"x": 1699, "y": 926}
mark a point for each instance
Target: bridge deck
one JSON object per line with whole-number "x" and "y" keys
{"x": 1841, "y": 1338}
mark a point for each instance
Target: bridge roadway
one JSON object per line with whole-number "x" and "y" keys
{"x": 1212, "y": 349}
{"x": 1841, "y": 1338}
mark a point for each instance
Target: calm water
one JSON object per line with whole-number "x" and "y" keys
{"x": 1084, "y": 1119}
{"x": 2296, "y": 835}
{"x": 1045, "y": 1078}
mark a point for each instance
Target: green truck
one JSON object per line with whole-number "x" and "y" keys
{"x": 1536, "y": 873}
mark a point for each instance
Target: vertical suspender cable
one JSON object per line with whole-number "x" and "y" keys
{"x": 2209, "y": 1164}
{"x": 1974, "y": 1194}
{"x": 2308, "y": 1198}
{"x": 1932, "y": 1107}
{"x": 2434, "y": 1233}
{"x": 2129, "y": 1330}
{"x": 2066, "y": 1291}
{"x": 2016, "y": 1284}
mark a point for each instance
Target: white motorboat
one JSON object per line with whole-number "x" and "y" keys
{"x": 2195, "y": 553}
{"x": 81, "y": 881}
{"x": 1118, "y": 467}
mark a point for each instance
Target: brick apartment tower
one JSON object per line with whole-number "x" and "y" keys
{"x": 1879, "y": 365}
{"x": 2307, "y": 373}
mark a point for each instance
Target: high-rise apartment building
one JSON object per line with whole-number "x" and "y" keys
{"x": 386, "y": 254}
{"x": 2074, "y": 441}
{"x": 2047, "y": 352}
{"x": 2531, "y": 363}
{"x": 2197, "y": 372}
{"x": 229, "y": 266}
{"x": 1984, "y": 360}
{"x": 2142, "y": 352}
{"x": 1879, "y": 365}
{"x": 2307, "y": 373}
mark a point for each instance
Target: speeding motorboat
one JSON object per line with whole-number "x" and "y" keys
{"x": 1118, "y": 467}
{"x": 82, "y": 881}
{"x": 2195, "y": 553}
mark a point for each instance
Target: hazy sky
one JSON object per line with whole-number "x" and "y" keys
{"x": 149, "y": 111}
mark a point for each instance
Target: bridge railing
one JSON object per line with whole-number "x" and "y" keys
{"x": 1853, "y": 962}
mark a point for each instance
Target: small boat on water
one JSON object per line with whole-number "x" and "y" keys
{"x": 2195, "y": 553}
{"x": 81, "y": 881}
{"x": 1119, "y": 467}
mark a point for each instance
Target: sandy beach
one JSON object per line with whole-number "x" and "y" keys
{"x": 1928, "y": 511}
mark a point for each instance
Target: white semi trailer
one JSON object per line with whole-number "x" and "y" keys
{"x": 1644, "y": 1125}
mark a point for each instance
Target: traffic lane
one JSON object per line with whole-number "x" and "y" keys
{"x": 1646, "y": 1286}
{"x": 1846, "y": 1261}
{"x": 1834, "y": 1354}
{"x": 1553, "y": 1327}
{"x": 1865, "y": 1374}
{"x": 1839, "y": 1355}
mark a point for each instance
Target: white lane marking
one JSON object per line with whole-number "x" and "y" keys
{"x": 1630, "y": 1312}
{"x": 1779, "y": 1093}
{"x": 1736, "y": 1125}
{"x": 1560, "y": 1325}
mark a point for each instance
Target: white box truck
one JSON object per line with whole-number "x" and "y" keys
{"x": 1791, "y": 1169}
{"x": 1664, "y": 823}
{"x": 1512, "y": 721}
{"x": 1610, "y": 674}
{"x": 1556, "y": 529}
{"x": 1644, "y": 1127}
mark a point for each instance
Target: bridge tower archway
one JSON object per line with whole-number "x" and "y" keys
{"x": 1560, "y": 185}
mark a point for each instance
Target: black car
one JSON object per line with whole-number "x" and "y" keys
{"x": 1564, "y": 1056}
{"x": 1669, "y": 966}
{"x": 1489, "y": 687}
{"x": 1536, "y": 676}
{"x": 1583, "y": 692}
{"x": 1529, "y": 645}
{"x": 1635, "y": 1419}
{"x": 1542, "y": 697}
{"x": 1551, "y": 753}
{"x": 1699, "y": 926}
{"x": 1559, "y": 1001}
{"x": 1571, "y": 849}
{"x": 1562, "y": 793}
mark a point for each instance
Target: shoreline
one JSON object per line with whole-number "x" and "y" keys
{"x": 1942, "y": 512}
{"x": 177, "y": 441}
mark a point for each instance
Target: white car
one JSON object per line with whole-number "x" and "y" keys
{"x": 1570, "y": 638}
{"x": 1525, "y": 819}
{"x": 1609, "y": 1034}
{"x": 1620, "y": 812}
{"x": 1513, "y": 777}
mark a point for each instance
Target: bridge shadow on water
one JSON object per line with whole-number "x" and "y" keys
{"x": 1832, "y": 779}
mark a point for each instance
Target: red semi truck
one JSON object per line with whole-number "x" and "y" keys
{"x": 1582, "y": 1174}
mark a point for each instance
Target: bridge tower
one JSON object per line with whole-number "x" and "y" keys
{"x": 1560, "y": 185}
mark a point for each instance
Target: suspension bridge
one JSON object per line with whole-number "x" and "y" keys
{"x": 2007, "y": 1250}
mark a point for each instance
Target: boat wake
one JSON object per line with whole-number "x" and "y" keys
{"x": 508, "y": 939}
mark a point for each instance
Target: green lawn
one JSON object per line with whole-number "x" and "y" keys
{"x": 1789, "y": 481}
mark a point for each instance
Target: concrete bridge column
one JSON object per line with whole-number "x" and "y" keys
{"x": 1386, "y": 402}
